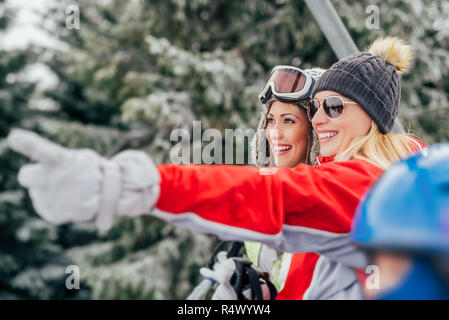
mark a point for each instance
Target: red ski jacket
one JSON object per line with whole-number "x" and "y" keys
{"x": 301, "y": 282}
{"x": 304, "y": 209}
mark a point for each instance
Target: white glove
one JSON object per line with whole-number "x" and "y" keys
{"x": 224, "y": 268}
{"x": 223, "y": 271}
{"x": 69, "y": 185}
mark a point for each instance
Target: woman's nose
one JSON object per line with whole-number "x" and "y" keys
{"x": 319, "y": 118}
{"x": 275, "y": 133}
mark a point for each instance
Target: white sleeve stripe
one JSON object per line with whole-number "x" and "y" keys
{"x": 196, "y": 223}
{"x": 193, "y": 221}
{"x": 313, "y": 231}
{"x": 291, "y": 239}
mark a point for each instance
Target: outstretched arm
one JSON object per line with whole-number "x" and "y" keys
{"x": 298, "y": 210}
{"x": 305, "y": 209}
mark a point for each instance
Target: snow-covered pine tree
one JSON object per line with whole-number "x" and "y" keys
{"x": 32, "y": 262}
{"x": 135, "y": 70}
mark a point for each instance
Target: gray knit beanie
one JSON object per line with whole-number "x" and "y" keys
{"x": 260, "y": 151}
{"x": 371, "y": 79}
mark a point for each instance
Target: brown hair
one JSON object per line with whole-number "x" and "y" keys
{"x": 302, "y": 107}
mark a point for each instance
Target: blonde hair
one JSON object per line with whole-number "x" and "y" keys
{"x": 378, "y": 148}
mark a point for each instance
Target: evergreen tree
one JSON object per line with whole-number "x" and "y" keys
{"x": 32, "y": 264}
{"x": 136, "y": 70}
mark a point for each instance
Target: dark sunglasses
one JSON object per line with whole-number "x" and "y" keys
{"x": 333, "y": 107}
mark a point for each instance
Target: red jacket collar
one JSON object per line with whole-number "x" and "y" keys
{"x": 322, "y": 160}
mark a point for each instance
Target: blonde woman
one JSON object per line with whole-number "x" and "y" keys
{"x": 301, "y": 209}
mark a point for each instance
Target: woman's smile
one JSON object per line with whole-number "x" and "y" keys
{"x": 326, "y": 136}
{"x": 282, "y": 149}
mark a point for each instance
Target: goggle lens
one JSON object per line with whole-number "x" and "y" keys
{"x": 288, "y": 80}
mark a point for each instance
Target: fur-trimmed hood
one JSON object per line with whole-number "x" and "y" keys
{"x": 259, "y": 148}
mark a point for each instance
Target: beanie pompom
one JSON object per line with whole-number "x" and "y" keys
{"x": 395, "y": 51}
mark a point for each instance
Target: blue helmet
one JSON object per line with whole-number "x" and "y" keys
{"x": 408, "y": 208}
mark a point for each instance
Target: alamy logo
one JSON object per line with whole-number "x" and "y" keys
{"x": 73, "y": 280}
{"x": 373, "y": 280}
{"x": 189, "y": 148}
{"x": 373, "y": 20}
{"x": 73, "y": 17}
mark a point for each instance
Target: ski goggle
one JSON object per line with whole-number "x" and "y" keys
{"x": 287, "y": 84}
{"x": 333, "y": 107}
